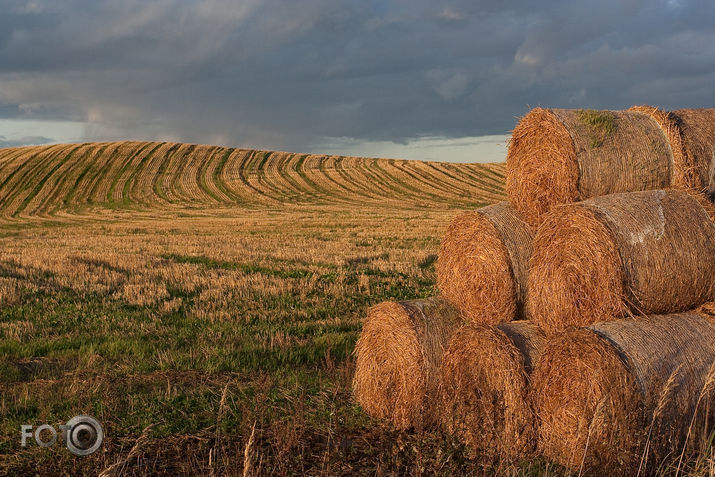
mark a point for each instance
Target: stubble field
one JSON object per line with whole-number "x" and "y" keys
{"x": 203, "y": 303}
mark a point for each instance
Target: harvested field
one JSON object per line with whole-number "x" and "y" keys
{"x": 631, "y": 253}
{"x": 558, "y": 156}
{"x": 628, "y": 394}
{"x": 485, "y": 398}
{"x": 482, "y": 264}
{"x": 129, "y": 292}
{"x": 204, "y": 303}
{"x": 45, "y": 181}
{"x": 398, "y": 357}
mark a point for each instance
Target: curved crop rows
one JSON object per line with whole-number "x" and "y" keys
{"x": 69, "y": 178}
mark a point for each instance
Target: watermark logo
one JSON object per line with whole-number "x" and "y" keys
{"x": 82, "y": 435}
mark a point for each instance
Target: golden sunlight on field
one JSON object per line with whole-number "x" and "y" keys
{"x": 209, "y": 299}
{"x": 61, "y": 179}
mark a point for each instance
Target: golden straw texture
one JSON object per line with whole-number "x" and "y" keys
{"x": 698, "y": 129}
{"x": 558, "y": 156}
{"x": 637, "y": 252}
{"x": 621, "y": 393}
{"x": 541, "y": 165}
{"x": 484, "y": 398}
{"x": 683, "y": 171}
{"x": 398, "y": 356}
{"x": 482, "y": 265}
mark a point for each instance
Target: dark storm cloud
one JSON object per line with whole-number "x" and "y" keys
{"x": 289, "y": 74}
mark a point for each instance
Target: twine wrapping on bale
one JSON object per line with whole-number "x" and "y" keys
{"x": 626, "y": 394}
{"x": 484, "y": 396}
{"x": 558, "y": 156}
{"x": 482, "y": 265}
{"x": 636, "y": 252}
{"x": 398, "y": 356}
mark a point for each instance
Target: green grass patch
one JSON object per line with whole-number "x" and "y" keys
{"x": 602, "y": 124}
{"x": 243, "y": 267}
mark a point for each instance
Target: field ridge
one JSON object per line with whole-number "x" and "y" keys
{"x": 44, "y": 181}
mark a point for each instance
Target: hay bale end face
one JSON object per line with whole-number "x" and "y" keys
{"x": 638, "y": 252}
{"x": 605, "y": 392}
{"x": 698, "y": 132}
{"x": 398, "y": 356}
{"x": 482, "y": 264}
{"x": 484, "y": 394}
{"x": 558, "y": 156}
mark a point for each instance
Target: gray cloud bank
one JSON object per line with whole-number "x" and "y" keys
{"x": 292, "y": 74}
{"x": 24, "y": 141}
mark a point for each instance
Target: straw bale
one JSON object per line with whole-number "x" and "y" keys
{"x": 484, "y": 397}
{"x": 629, "y": 253}
{"x": 558, "y": 156}
{"x": 623, "y": 394}
{"x": 482, "y": 265}
{"x": 698, "y": 130}
{"x": 398, "y": 356}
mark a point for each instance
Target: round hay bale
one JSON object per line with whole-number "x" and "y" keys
{"x": 398, "y": 356}
{"x": 484, "y": 396}
{"x": 482, "y": 264}
{"x": 558, "y": 156}
{"x": 621, "y": 394}
{"x": 698, "y": 131}
{"x": 683, "y": 174}
{"x": 606, "y": 257}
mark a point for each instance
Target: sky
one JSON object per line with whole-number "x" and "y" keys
{"x": 416, "y": 79}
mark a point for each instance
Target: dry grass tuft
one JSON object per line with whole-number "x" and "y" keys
{"x": 398, "y": 357}
{"x": 123, "y": 466}
{"x": 639, "y": 252}
{"x": 625, "y": 394}
{"x": 482, "y": 266}
{"x": 484, "y": 397}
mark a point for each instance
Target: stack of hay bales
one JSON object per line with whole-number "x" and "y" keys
{"x": 481, "y": 272}
{"x": 567, "y": 323}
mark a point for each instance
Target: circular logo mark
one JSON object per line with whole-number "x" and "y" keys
{"x": 84, "y": 435}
